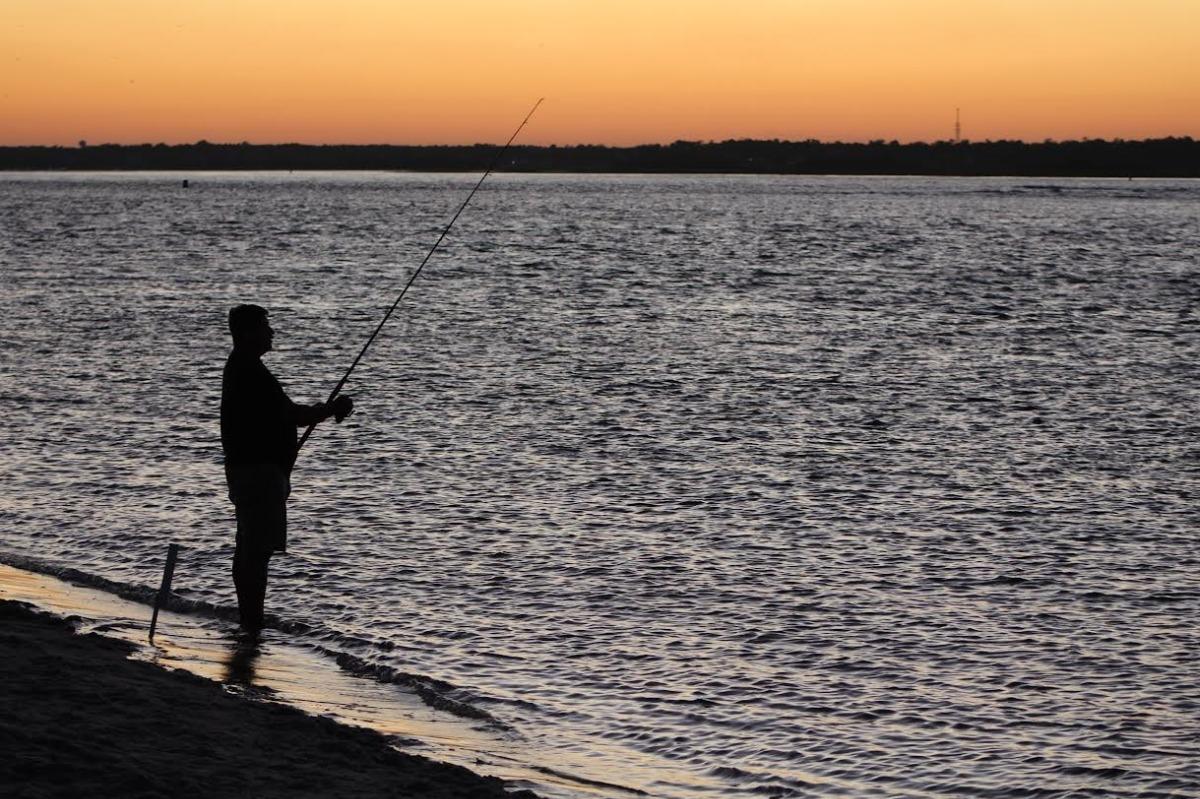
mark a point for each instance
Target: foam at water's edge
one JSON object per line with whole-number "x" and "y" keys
{"x": 433, "y": 692}
{"x": 436, "y": 693}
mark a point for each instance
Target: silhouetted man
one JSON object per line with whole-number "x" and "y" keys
{"x": 258, "y": 434}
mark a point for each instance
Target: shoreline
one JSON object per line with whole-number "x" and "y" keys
{"x": 1166, "y": 157}
{"x": 85, "y": 719}
{"x": 413, "y": 713}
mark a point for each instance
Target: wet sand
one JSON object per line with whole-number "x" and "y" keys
{"x": 81, "y": 719}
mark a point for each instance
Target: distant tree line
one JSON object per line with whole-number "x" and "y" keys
{"x": 1168, "y": 157}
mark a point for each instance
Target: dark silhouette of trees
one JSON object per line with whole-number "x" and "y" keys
{"x": 1168, "y": 157}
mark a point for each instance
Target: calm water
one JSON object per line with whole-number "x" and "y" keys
{"x": 704, "y": 486}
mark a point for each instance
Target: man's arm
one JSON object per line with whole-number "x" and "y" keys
{"x": 304, "y": 415}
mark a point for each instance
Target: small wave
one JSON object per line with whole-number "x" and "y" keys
{"x": 1107, "y": 772}
{"x": 1172, "y": 596}
{"x": 433, "y": 692}
{"x": 24, "y": 399}
{"x": 763, "y": 783}
{"x": 562, "y": 775}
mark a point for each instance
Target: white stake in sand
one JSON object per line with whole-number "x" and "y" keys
{"x": 165, "y": 588}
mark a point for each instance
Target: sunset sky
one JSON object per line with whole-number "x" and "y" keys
{"x": 613, "y": 71}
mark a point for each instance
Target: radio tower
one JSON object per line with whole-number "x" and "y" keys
{"x": 957, "y": 126}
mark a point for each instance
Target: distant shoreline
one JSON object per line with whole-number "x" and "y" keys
{"x": 1173, "y": 157}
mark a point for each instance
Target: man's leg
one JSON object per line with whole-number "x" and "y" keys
{"x": 258, "y": 528}
{"x": 250, "y": 579}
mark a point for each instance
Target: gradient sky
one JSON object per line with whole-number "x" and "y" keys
{"x": 613, "y": 71}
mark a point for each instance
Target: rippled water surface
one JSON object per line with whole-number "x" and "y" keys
{"x": 704, "y": 486}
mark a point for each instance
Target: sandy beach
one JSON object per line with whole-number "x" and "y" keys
{"x": 83, "y": 720}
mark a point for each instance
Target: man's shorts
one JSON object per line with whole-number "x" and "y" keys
{"x": 259, "y": 493}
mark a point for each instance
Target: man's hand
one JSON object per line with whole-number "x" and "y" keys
{"x": 342, "y": 407}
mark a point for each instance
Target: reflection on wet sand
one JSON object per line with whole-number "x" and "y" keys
{"x": 239, "y": 665}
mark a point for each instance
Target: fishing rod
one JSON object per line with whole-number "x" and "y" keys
{"x": 495, "y": 160}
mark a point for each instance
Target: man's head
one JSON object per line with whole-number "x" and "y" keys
{"x": 250, "y": 329}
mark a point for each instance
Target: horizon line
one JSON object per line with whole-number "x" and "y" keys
{"x": 84, "y": 144}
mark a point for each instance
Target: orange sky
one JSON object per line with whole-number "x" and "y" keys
{"x": 613, "y": 71}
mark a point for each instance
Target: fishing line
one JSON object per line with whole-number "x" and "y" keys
{"x": 495, "y": 160}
